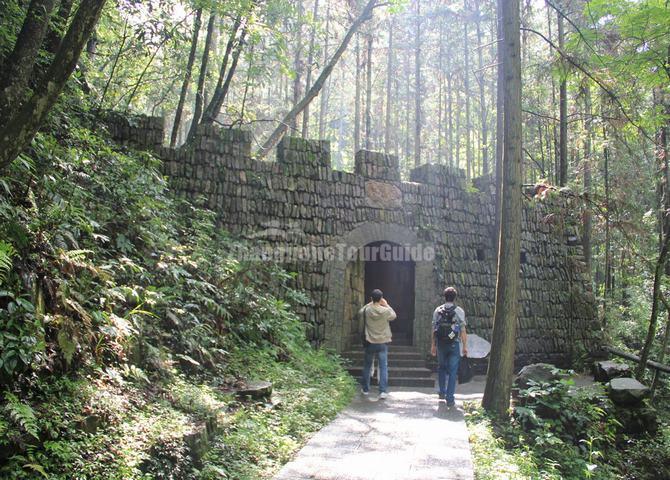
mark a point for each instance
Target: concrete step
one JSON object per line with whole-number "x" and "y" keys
{"x": 396, "y": 372}
{"x": 404, "y": 355}
{"x": 407, "y": 366}
{"x": 406, "y": 382}
{"x": 395, "y": 362}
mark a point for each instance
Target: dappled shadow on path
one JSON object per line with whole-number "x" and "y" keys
{"x": 410, "y": 435}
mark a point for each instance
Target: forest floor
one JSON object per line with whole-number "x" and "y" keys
{"x": 409, "y": 435}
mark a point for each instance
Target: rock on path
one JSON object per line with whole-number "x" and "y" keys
{"x": 408, "y": 436}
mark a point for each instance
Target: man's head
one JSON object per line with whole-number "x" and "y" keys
{"x": 449, "y": 294}
{"x": 376, "y": 295}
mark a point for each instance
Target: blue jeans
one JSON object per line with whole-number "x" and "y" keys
{"x": 381, "y": 349}
{"x": 448, "y": 359}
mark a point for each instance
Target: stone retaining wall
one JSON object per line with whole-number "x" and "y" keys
{"x": 299, "y": 204}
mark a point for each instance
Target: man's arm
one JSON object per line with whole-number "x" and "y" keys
{"x": 464, "y": 340}
{"x": 433, "y": 343}
{"x": 391, "y": 314}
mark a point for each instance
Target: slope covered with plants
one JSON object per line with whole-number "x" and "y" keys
{"x": 126, "y": 321}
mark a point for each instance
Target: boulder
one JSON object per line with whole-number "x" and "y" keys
{"x": 536, "y": 372}
{"x": 257, "y": 390}
{"x": 607, "y": 370}
{"x": 627, "y": 391}
{"x": 477, "y": 346}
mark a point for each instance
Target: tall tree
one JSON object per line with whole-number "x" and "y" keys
{"x": 197, "y": 23}
{"x": 466, "y": 90}
{"x": 563, "y": 111}
{"x": 279, "y": 132}
{"x": 588, "y": 140}
{"x": 483, "y": 124}
{"x": 310, "y": 61}
{"x": 390, "y": 73}
{"x": 357, "y": 99}
{"x": 200, "y": 91}
{"x": 22, "y": 122}
{"x": 298, "y": 64}
{"x": 368, "y": 93}
{"x": 323, "y": 108}
{"x": 500, "y": 117}
{"x": 18, "y": 68}
{"x": 418, "y": 86}
{"x": 501, "y": 363}
{"x": 225, "y": 73}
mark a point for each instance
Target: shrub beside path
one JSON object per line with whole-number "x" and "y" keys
{"x": 408, "y": 436}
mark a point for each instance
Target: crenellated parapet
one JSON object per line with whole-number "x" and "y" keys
{"x": 377, "y": 165}
{"x": 309, "y": 215}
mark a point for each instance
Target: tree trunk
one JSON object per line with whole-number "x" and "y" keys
{"x": 197, "y": 23}
{"x": 323, "y": 108}
{"x": 440, "y": 94}
{"x": 563, "y": 112}
{"x": 482, "y": 96}
{"x": 200, "y": 91}
{"x": 651, "y": 331}
{"x": 58, "y": 26}
{"x": 450, "y": 117}
{"x": 18, "y": 68}
{"x": 214, "y": 106}
{"x": 466, "y": 88}
{"x": 389, "y": 97}
{"x": 368, "y": 94}
{"x": 408, "y": 102}
{"x": 661, "y": 355}
{"x": 501, "y": 364}
{"x": 417, "y": 98}
{"x": 586, "y": 235}
{"x": 279, "y": 132}
{"x": 608, "y": 246}
{"x": 124, "y": 39}
{"x": 310, "y": 61}
{"x": 357, "y": 104}
{"x": 500, "y": 118}
{"x": 297, "y": 67}
{"x": 22, "y": 126}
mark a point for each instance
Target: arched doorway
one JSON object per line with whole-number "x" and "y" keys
{"x": 389, "y": 267}
{"x": 345, "y": 279}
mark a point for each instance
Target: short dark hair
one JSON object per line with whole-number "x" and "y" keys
{"x": 377, "y": 295}
{"x": 450, "y": 294}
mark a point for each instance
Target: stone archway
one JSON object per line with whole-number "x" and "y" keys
{"x": 345, "y": 280}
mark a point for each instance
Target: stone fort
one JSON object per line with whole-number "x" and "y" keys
{"x": 345, "y": 234}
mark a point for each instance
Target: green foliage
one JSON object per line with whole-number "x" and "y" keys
{"x": 21, "y": 414}
{"x": 570, "y": 429}
{"x": 560, "y": 431}
{"x": 154, "y": 310}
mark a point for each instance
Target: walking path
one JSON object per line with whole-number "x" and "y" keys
{"x": 408, "y": 436}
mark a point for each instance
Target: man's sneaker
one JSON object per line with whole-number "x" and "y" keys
{"x": 451, "y": 404}
{"x": 383, "y": 395}
{"x": 441, "y": 396}
{"x": 365, "y": 392}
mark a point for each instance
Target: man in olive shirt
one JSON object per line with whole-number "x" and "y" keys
{"x": 375, "y": 317}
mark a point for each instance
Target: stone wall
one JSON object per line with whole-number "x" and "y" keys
{"x": 300, "y": 207}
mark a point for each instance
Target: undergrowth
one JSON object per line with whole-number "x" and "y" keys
{"x": 559, "y": 431}
{"x": 127, "y": 317}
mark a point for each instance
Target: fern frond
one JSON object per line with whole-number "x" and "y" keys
{"x": 7, "y": 251}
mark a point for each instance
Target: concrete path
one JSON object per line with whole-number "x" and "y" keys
{"x": 408, "y": 436}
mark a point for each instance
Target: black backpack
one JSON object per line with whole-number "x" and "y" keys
{"x": 447, "y": 329}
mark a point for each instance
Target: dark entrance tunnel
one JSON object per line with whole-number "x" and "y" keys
{"x": 388, "y": 266}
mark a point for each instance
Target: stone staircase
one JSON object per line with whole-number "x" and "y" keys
{"x": 407, "y": 366}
